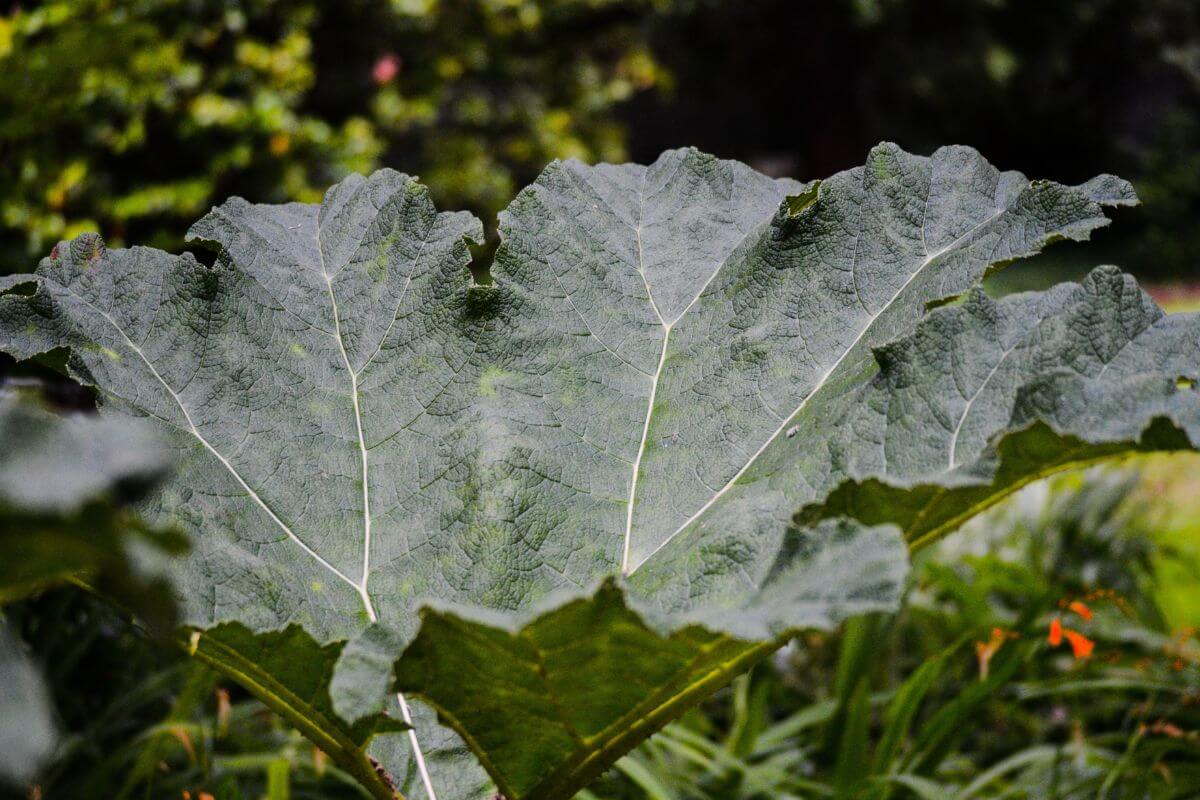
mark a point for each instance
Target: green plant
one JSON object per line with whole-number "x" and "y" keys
{"x": 134, "y": 117}
{"x": 62, "y": 483}
{"x": 963, "y": 697}
{"x": 138, "y": 720}
{"x": 65, "y": 484}
{"x": 698, "y": 411}
{"x": 141, "y": 722}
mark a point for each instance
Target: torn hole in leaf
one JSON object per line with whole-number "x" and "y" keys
{"x": 22, "y": 288}
{"x": 948, "y": 300}
{"x": 799, "y": 203}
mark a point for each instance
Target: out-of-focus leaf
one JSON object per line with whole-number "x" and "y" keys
{"x": 65, "y": 485}
{"x": 27, "y": 730}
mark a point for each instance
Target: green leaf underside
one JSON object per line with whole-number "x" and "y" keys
{"x": 667, "y": 368}
{"x": 581, "y": 684}
{"x": 291, "y": 673}
{"x": 539, "y": 683}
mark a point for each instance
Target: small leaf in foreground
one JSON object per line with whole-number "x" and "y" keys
{"x": 28, "y": 732}
{"x": 65, "y": 484}
{"x": 62, "y": 480}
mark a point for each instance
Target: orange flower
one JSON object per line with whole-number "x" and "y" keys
{"x": 1056, "y": 632}
{"x": 1081, "y": 609}
{"x": 224, "y": 711}
{"x": 985, "y": 650}
{"x": 1080, "y": 644}
{"x": 181, "y": 734}
{"x": 1168, "y": 729}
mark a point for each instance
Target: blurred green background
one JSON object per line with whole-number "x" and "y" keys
{"x": 132, "y": 117}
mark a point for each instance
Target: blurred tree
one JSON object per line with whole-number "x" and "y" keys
{"x": 1063, "y": 87}
{"x": 132, "y": 117}
{"x": 478, "y": 95}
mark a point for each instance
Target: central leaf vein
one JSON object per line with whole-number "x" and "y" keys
{"x": 418, "y": 755}
{"x": 662, "y": 357}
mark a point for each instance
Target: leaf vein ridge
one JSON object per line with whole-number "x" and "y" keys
{"x": 820, "y": 384}
{"x": 418, "y": 755}
{"x": 195, "y": 432}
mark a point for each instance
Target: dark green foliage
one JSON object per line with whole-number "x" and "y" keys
{"x": 1056, "y": 728}
{"x": 142, "y": 720}
{"x": 917, "y": 717}
{"x": 134, "y": 116}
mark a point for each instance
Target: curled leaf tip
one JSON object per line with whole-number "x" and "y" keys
{"x": 88, "y": 248}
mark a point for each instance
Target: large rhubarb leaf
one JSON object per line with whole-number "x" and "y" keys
{"x": 557, "y": 508}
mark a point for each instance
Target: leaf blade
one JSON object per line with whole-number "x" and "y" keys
{"x": 654, "y": 385}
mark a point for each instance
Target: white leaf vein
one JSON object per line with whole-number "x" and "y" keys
{"x": 820, "y": 384}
